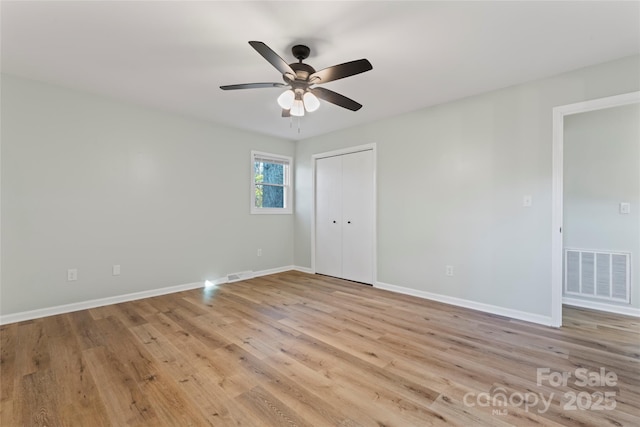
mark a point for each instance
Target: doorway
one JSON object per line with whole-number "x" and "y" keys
{"x": 558, "y": 194}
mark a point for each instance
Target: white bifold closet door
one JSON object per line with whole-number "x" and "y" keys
{"x": 344, "y": 216}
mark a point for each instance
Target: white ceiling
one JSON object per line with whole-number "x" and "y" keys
{"x": 174, "y": 55}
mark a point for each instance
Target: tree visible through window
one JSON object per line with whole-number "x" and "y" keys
{"x": 270, "y": 189}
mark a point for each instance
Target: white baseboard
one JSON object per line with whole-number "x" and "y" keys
{"x": 273, "y": 271}
{"x": 595, "y": 305}
{"x": 487, "y": 308}
{"x": 100, "y": 302}
{"x": 303, "y": 269}
{"x": 501, "y": 311}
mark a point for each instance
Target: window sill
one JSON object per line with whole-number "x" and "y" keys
{"x": 268, "y": 211}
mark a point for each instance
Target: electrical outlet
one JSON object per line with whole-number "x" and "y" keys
{"x": 449, "y": 270}
{"x": 259, "y": 252}
{"x": 72, "y": 274}
{"x": 116, "y": 270}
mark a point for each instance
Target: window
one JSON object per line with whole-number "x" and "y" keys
{"x": 270, "y": 183}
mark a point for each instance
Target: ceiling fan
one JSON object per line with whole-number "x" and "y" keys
{"x": 301, "y": 80}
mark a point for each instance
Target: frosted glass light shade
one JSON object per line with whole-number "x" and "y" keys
{"x": 297, "y": 109}
{"x": 311, "y": 102}
{"x": 286, "y": 99}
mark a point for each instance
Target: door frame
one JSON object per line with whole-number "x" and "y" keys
{"x": 557, "y": 191}
{"x": 340, "y": 152}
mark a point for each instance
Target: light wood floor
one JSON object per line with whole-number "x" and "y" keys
{"x": 303, "y": 350}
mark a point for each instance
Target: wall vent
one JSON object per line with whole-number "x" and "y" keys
{"x": 597, "y": 274}
{"x": 236, "y": 277}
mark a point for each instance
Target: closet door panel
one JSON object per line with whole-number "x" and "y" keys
{"x": 329, "y": 216}
{"x": 357, "y": 216}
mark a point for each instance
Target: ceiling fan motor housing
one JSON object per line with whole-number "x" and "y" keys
{"x": 303, "y": 71}
{"x": 300, "y": 52}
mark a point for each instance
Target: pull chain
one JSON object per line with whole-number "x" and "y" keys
{"x": 297, "y": 122}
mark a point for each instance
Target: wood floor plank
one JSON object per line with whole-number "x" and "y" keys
{"x": 205, "y": 359}
{"x": 84, "y": 327}
{"x": 7, "y": 417}
{"x": 8, "y": 345}
{"x": 37, "y": 400}
{"x": 78, "y": 401}
{"x": 32, "y": 353}
{"x": 269, "y": 409}
{"x": 294, "y": 394}
{"x": 307, "y": 350}
{"x": 208, "y": 398}
{"x": 124, "y": 402}
{"x": 333, "y": 360}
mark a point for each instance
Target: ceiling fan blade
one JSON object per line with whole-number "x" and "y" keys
{"x": 340, "y": 71}
{"x": 286, "y": 113}
{"x": 252, "y": 86}
{"x": 336, "y": 98}
{"x": 273, "y": 58}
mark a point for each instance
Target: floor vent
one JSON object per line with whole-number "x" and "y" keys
{"x": 236, "y": 277}
{"x": 597, "y": 274}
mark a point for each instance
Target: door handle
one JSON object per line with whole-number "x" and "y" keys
{"x": 348, "y": 222}
{"x": 334, "y": 222}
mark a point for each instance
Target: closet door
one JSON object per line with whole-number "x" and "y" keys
{"x": 357, "y": 216}
{"x": 329, "y": 216}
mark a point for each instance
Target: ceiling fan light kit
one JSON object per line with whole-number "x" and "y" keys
{"x": 301, "y": 78}
{"x": 289, "y": 99}
{"x": 311, "y": 102}
{"x": 297, "y": 109}
{"x": 286, "y": 99}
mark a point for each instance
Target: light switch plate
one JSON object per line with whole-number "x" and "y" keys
{"x": 625, "y": 208}
{"x": 527, "y": 201}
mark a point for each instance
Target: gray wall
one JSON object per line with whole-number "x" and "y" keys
{"x": 602, "y": 169}
{"x": 88, "y": 182}
{"x": 451, "y": 180}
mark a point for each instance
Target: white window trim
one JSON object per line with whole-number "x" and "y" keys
{"x": 288, "y": 186}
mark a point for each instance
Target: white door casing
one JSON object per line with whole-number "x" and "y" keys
{"x": 559, "y": 114}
